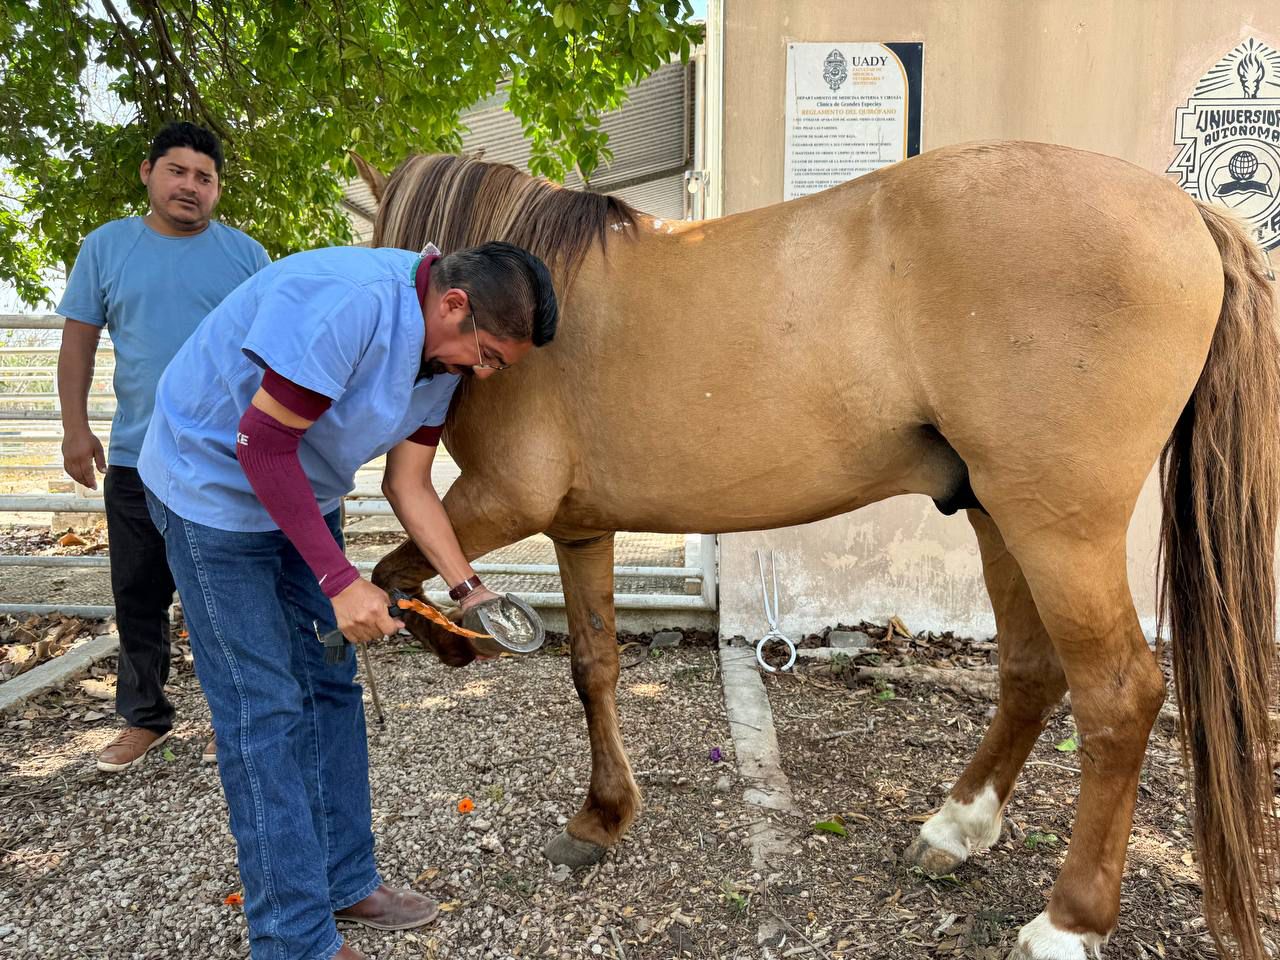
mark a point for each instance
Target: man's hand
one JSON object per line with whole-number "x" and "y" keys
{"x": 81, "y": 451}
{"x": 478, "y": 596}
{"x": 361, "y": 610}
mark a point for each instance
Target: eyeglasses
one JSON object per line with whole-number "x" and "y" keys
{"x": 482, "y": 365}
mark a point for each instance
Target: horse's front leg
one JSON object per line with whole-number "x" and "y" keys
{"x": 485, "y": 517}
{"x": 613, "y": 800}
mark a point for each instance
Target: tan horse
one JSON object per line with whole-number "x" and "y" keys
{"x": 1012, "y": 328}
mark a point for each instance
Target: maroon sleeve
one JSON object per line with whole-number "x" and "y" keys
{"x": 268, "y": 453}
{"x": 427, "y": 436}
{"x": 305, "y": 403}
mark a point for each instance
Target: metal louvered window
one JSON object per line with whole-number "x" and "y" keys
{"x": 651, "y": 137}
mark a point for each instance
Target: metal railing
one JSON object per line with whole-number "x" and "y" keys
{"x": 26, "y": 427}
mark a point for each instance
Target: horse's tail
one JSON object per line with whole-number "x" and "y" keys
{"x": 1221, "y": 477}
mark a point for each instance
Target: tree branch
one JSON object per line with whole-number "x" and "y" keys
{"x": 156, "y": 17}
{"x": 131, "y": 42}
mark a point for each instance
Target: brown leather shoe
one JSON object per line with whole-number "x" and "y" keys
{"x": 127, "y": 749}
{"x": 348, "y": 952}
{"x": 210, "y": 752}
{"x": 390, "y": 909}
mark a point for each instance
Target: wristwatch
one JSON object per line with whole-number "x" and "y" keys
{"x": 464, "y": 588}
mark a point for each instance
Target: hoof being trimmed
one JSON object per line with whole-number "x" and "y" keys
{"x": 567, "y": 849}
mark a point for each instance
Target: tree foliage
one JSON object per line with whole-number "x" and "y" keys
{"x": 290, "y": 86}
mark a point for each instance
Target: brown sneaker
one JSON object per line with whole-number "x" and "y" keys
{"x": 391, "y": 909}
{"x": 210, "y": 752}
{"x": 127, "y": 749}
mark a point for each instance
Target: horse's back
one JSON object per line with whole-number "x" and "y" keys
{"x": 1009, "y": 304}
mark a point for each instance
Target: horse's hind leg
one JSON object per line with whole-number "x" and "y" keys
{"x": 1079, "y": 582}
{"x": 1031, "y": 683}
{"x": 613, "y": 800}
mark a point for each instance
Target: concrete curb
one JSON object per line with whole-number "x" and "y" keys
{"x": 54, "y": 673}
{"x": 755, "y": 743}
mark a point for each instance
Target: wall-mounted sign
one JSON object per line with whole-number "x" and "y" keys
{"x": 1229, "y": 134}
{"x": 851, "y": 108}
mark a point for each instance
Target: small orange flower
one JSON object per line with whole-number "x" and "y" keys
{"x": 465, "y": 805}
{"x": 233, "y": 900}
{"x": 183, "y": 634}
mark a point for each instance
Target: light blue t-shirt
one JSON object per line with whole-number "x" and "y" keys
{"x": 342, "y": 321}
{"x": 151, "y": 291}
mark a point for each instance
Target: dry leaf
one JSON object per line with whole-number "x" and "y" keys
{"x": 427, "y": 875}
{"x": 100, "y": 689}
{"x": 69, "y": 539}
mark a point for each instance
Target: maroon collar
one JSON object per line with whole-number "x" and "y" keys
{"x": 422, "y": 278}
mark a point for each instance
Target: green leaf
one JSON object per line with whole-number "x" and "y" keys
{"x": 1068, "y": 745}
{"x": 290, "y": 87}
{"x": 735, "y": 899}
{"x": 834, "y": 825}
{"x": 168, "y": 755}
{"x": 1037, "y": 839}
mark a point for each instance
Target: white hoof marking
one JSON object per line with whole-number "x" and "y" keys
{"x": 1041, "y": 940}
{"x": 961, "y": 829}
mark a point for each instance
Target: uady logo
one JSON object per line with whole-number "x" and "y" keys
{"x": 835, "y": 70}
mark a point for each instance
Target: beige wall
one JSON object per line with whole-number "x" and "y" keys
{"x": 1101, "y": 75}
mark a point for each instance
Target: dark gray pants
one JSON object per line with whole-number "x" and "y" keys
{"x": 143, "y": 590}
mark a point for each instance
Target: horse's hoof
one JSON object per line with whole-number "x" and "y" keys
{"x": 1041, "y": 940}
{"x": 932, "y": 860}
{"x": 567, "y": 849}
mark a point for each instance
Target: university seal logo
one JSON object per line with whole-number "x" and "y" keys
{"x": 1228, "y": 136}
{"x": 835, "y": 70}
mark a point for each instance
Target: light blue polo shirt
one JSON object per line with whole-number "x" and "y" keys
{"x": 342, "y": 321}
{"x": 151, "y": 291}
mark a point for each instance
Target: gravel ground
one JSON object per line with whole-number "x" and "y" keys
{"x": 138, "y": 865}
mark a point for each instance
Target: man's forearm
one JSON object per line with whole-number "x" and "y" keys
{"x": 423, "y": 517}
{"x": 75, "y": 374}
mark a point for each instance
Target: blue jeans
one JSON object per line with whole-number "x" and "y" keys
{"x": 290, "y": 729}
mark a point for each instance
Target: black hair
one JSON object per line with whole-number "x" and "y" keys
{"x": 180, "y": 133}
{"x": 511, "y": 292}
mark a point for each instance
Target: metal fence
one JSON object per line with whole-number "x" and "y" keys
{"x": 28, "y": 401}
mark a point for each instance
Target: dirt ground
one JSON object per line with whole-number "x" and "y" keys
{"x": 138, "y": 866}
{"x": 882, "y": 759}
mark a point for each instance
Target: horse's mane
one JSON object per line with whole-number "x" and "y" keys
{"x": 459, "y": 202}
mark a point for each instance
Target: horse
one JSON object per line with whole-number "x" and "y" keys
{"x": 1016, "y": 330}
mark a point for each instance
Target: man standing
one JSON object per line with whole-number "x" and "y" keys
{"x": 150, "y": 281}
{"x": 317, "y": 365}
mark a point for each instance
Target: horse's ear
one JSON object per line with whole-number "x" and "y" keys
{"x": 377, "y": 182}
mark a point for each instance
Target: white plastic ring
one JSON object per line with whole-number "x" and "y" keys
{"x": 791, "y": 650}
